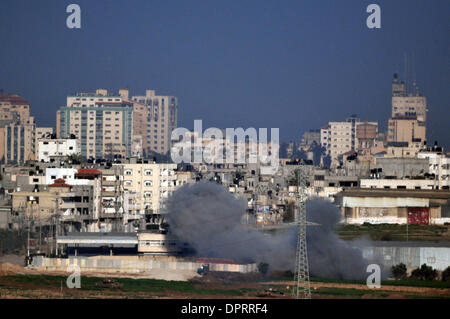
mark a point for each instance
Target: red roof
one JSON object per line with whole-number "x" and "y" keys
{"x": 88, "y": 171}
{"x": 13, "y": 99}
{"x": 59, "y": 182}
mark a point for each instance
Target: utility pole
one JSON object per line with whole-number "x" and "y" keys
{"x": 28, "y": 240}
{"x": 407, "y": 223}
{"x": 302, "y": 290}
{"x": 260, "y": 190}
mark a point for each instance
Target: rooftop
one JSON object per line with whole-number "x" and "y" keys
{"x": 13, "y": 99}
{"x": 416, "y": 193}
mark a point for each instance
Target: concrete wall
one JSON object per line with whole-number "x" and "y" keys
{"x": 133, "y": 264}
{"x": 436, "y": 257}
{"x": 401, "y": 167}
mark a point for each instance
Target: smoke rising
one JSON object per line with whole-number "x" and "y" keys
{"x": 208, "y": 217}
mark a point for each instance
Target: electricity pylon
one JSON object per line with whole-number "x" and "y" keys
{"x": 302, "y": 290}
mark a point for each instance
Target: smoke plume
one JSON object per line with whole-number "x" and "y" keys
{"x": 209, "y": 218}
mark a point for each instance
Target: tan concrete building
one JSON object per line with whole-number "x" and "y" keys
{"x": 406, "y": 129}
{"x": 409, "y": 115}
{"x": 14, "y": 110}
{"x": 154, "y": 119}
{"x": 19, "y": 142}
{"x": 15, "y": 103}
{"x": 152, "y": 183}
{"x": 408, "y": 104}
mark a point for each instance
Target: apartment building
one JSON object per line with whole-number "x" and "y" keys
{"x": 15, "y": 120}
{"x": 19, "y": 141}
{"x": 41, "y": 133}
{"x": 102, "y": 123}
{"x": 407, "y": 104}
{"x": 57, "y": 148}
{"x": 409, "y": 114}
{"x": 154, "y": 119}
{"x": 406, "y": 129}
{"x": 438, "y": 165}
{"x": 11, "y": 103}
{"x": 152, "y": 183}
{"x": 339, "y": 138}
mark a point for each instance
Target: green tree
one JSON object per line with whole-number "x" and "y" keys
{"x": 446, "y": 274}
{"x": 424, "y": 273}
{"x": 399, "y": 271}
{"x": 75, "y": 158}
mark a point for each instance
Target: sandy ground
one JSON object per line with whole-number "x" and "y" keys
{"x": 402, "y": 289}
{"x": 13, "y": 259}
{"x": 14, "y": 266}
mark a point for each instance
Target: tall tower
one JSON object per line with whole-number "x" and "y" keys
{"x": 302, "y": 289}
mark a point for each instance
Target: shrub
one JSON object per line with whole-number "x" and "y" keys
{"x": 399, "y": 271}
{"x": 446, "y": 274}
{"x": 424, "y": 273}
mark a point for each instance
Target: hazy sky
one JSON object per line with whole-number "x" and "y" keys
{"x": 290, "y": 64}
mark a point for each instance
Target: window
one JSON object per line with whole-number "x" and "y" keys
{"x": 148, "y": 172}
{"x": 128, "y": 172}
{"x": 148, "y": 194}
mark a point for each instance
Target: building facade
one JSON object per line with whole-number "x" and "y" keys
{"x": 56, "y": 148}
{"x": 102, "y": 123}
{"x": 155, "y": 117}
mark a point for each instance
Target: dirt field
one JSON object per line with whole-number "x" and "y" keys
{"x": 19, "y": 282}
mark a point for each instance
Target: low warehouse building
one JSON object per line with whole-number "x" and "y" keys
{"x": 97, "y": 243}
{"x": 394, "y": 206}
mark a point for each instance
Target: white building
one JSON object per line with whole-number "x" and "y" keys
{"x": 398, "y": 183}
{"x": 339, "y": 138}
{"x": 439, "y": 165}
{"x": 51, "y": 148}
{"x": 68, "y": 174}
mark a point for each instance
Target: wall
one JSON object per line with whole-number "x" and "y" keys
{"x": 132, "y": 264}
{"x": 436, "y": 257}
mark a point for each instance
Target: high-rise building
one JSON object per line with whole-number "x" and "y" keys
{"x": 103, "y": 123}
{"x": 19, "y": 141}
{"x": 154, "y": 119}
{"x": 409, "y": 114}
{"x": 339, "y": 138}
{"x": 14, "y": 117}
{"x": 11, "y": 103}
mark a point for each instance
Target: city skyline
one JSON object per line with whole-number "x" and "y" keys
{"x": 241, "y": 68}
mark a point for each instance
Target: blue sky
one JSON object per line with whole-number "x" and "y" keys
{"x": 290, "y": 64}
